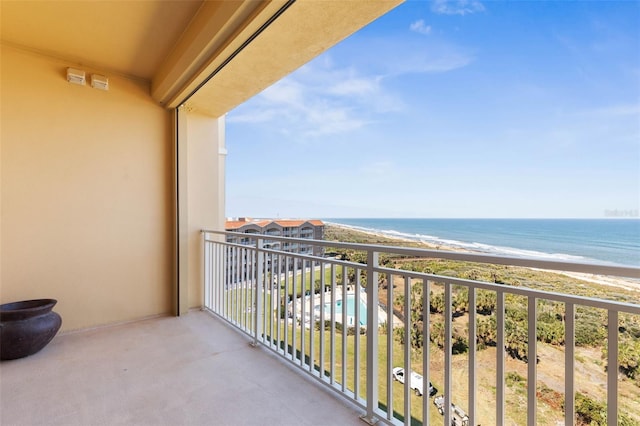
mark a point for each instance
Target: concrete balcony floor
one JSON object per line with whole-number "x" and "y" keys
{"x": 192, "y": 370}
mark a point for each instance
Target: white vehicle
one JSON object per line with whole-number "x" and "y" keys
{"x": 416, "y": 383}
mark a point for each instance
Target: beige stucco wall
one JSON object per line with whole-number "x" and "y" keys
{"x": 205, "y": 182}
{"x": 86, "y": 194}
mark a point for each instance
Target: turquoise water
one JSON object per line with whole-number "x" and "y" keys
{"x": 585, "y": 240}
{"x": 351, "y": 310}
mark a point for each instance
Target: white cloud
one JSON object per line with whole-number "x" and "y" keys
{"x": 330, "y": 96}
{"x": 430, "y": 59}
{"x": 355, "y": 86}
{"x": 319, "y": 99}
{"x": 420, "y": 27}
{"x": 396, "y": 56}
{"x": 457, "y": 7}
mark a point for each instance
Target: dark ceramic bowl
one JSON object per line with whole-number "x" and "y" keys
{"x": 16, "y": 311}
{"x": 26, "y": 327}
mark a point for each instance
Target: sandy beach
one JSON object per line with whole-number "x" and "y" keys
{"x": 619, "y": 282}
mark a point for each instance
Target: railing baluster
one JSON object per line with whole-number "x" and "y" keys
{"x": 214, "y": 279}
{"x": 241, "y": 290}
{"x": 569, "y": 357}
{"x": 233, "y": 296}
{"x": 288, "y": 299}
{"x": 532, "y": 356}
{"x": 219, "y": 276}
{"x": 259, "y": 287}
{"x": 249, "y": 294}
{"x": 294, "y": 336}
{"x": 407, "y": 350}
{"x": 473, "y": 364}
{"x": 207, "y": 271}
{"x": 322, "y": 319}
{"x": 246, "y": 256}
{"x": 448, "y": 381}
{"x": 262, "y": 290}
{"x": 227, "y": 281}
{"x": 303, "y": 316}
{"x": 612, "y": 367}
{"x": 230, "y": 280}
{"x": 372, "y": 336}
{"x": 237, "y": 287}
{"x": 426, "y": 344}
{"x": 389, "y": 346}
{"x": 228, "y": 313}
{"x": 356, "y": 337}
{"x": 500, "y": 354}
{"x": 219, "y": 282}
{"x": 344, "y": 328}
{"x": 268, "y": 301}
{"x": 227, "y": 291}
{"x": 278, "y": 320}
{"x": 214, "y": 273}
{"x": 312, "y": 316}
{"x": 332, "y": 350}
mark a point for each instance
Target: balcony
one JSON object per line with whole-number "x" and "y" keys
{"x": 302, "y": 316}
{"x": 190, "y": 370}
{"x": 199, "y": 367}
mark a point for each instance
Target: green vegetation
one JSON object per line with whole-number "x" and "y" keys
{"x": 590, "y": 323}
{"x": 593, "y": 413}
{"x": 304, "y": 345}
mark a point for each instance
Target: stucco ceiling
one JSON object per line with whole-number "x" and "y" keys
{"x": 127, "y": 37}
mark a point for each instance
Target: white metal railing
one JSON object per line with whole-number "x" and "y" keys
{"x": 270, "y": 295}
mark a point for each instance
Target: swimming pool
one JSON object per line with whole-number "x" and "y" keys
{"x": 351, "y": 310}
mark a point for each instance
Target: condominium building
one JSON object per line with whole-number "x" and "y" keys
{"x": 291, "y": 228}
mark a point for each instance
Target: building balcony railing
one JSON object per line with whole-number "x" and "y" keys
{"x": 351, "y": 325}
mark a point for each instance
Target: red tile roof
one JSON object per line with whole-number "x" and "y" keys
{"x": 235, "y": 224}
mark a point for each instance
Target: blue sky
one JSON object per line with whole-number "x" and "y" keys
{"x": 451, "y": 109}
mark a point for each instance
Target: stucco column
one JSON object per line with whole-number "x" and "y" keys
{"x": 200, "y": 198}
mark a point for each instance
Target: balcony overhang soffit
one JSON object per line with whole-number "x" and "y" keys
{"x": 233, "y": 51}
{"x": 182, "y": 46}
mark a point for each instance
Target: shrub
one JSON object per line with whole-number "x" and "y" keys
{"x": 436, "y": 303}
{"x": 594, "y": 413}
{"x": 486, "y": 332}
{"x": 628, "y": 358}
{"x": 513, "y": 378}
{"x": 550, "y": 332}
{"x": 460, "y": 345}
{"x": 486, "y": 302}
{"x": 589, "y": 411}
{"x": 590, "y": 334}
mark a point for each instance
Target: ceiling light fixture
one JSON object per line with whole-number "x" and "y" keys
{"x": 99, "y": 82}
{"x": 76, "y": 76}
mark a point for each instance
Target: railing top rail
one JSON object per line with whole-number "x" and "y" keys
{"x": 481, "y": 285}
{"x": 529, "y": 262}
{"x": 521, "y": 291}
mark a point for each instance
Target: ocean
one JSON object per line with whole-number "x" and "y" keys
{"x": 611, "y": 241}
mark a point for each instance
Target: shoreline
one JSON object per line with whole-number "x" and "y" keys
{"x": 612, "y": 281}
